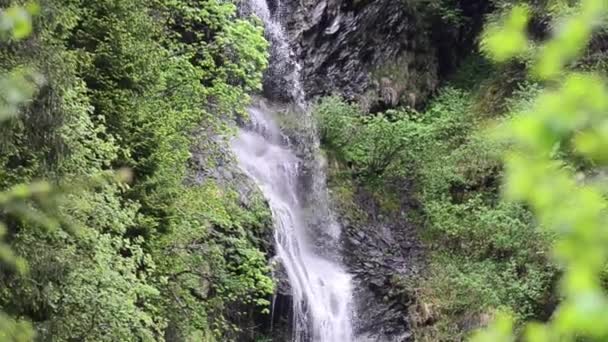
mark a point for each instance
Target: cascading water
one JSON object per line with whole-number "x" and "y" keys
{"x": 321, "y": 288}
{"x": 282, "y": 58}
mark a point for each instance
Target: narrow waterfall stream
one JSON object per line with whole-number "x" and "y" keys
{"x": 320, "y": 286}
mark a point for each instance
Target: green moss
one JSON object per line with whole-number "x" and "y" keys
{"x": 342, "y": 189}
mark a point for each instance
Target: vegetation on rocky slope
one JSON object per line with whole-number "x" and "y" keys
{"x": 486, "y": 255}
{"x": 161, "y": 252}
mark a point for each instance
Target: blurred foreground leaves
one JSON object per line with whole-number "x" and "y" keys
{"x": 570, "y": 114}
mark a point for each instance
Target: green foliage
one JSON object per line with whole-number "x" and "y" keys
{"x": 484, "y": 254}
{"x": 15, "y": 89}
{"x": 106, "y": 290}
{"x": 448, "y": 10}
{"x": 126, "y": 84}
{"x": 387, "y": 145}
{"x": 16, "y": 21}
{"x": 214, "y": 249}
{"x": 17, "y": 331}
{"x": 508, "y": 38}
{"x": 368, "y": 144}
{"x": 564, "y": 202}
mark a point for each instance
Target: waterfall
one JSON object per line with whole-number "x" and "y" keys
{"x": 306, "y": 246}
{"x": 283, "y": 62}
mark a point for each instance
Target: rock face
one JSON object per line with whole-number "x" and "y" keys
{"x": 383, "y": 253}
{"x": 375, "y": 52}
{"x": 381, "y": 54}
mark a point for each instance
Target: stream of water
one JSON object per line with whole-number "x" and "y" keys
{"x": 321, "y": 289}
{"x": 320, "y": 286}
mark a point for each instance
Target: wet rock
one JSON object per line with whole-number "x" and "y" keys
{"x": 382, "y": 252}
{"x": 349, "y": 47}
{"x": 280, "y": 276}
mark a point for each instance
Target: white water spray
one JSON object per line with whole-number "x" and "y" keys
{"x": 282, "y": 51}
{"x": 321, "y": 288}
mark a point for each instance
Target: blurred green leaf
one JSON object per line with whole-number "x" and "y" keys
{"x": 573, "y": 113}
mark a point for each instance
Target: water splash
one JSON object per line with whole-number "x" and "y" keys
{"x": 321, "y": 288}
{"x": 306, "y": 234}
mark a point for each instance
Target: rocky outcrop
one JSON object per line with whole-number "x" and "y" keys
{"x": 384, "y": 255}
{"x": 376, "y": 52}
{"x": 382, "y": 252}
